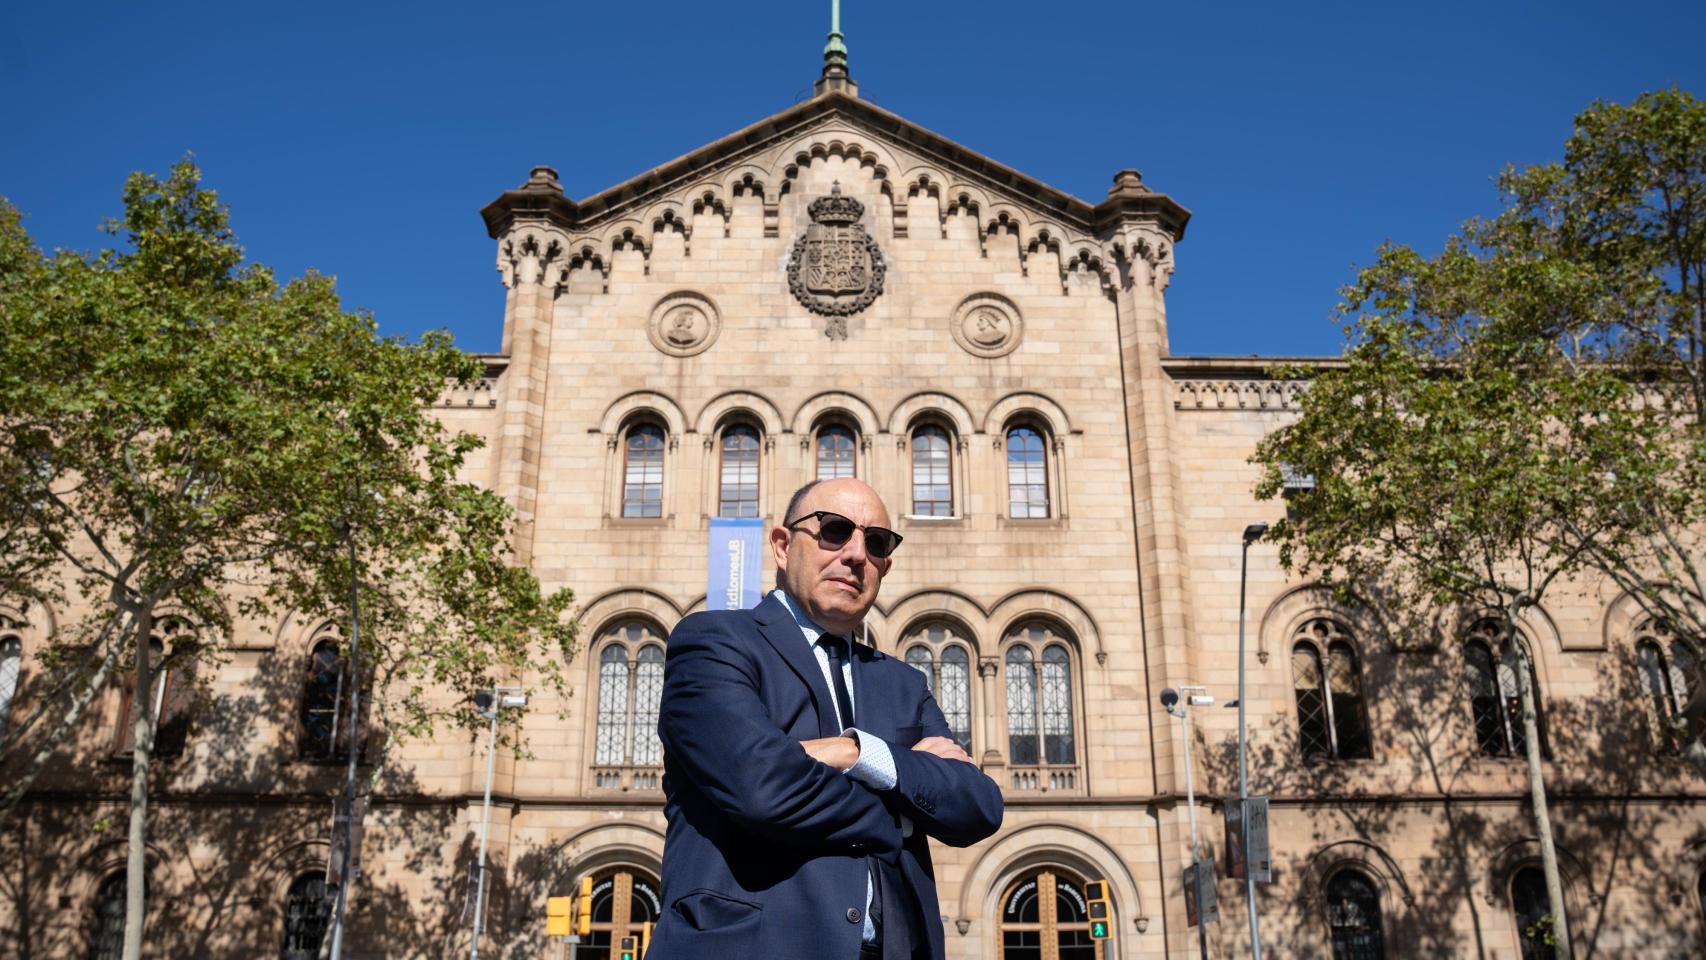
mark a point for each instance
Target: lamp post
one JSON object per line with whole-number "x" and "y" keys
{"x": 1252, "y": 533}
{"x": 490, "y": 703}
{"x": 347, "y": 868}
{"x": 1170, "y": 700}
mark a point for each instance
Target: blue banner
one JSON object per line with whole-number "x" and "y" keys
{"x": 734, "y": 564}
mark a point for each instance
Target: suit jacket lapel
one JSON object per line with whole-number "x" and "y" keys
{"x": 777, "y": 626}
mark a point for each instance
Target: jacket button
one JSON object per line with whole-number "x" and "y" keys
{"x": 853, "y": 915}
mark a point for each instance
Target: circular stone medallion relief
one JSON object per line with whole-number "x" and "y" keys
{"x": 684, "y": 324}
{"x": 988, "y": 325}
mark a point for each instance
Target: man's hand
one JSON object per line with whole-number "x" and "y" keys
{"x": 838, "y": 752}
{"x": 942, "y": 747}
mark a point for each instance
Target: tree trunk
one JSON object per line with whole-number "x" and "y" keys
{"x": 136, "y": 853}
{"x": 1537, "y": 794}
{"x": 38, "y": 760}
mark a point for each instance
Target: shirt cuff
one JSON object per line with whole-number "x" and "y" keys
{"x": 875, "y": 766}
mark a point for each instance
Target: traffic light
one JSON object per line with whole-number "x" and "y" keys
{"x": 628, "y": 950}
{"x": 559, "y": 921}
{"x": 645, "y": 938}
{"x": 1101, "y": 912}
{"x": 583, "y": 921}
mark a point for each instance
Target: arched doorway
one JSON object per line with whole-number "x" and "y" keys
{"x": 1044, "y": 916}
{"x": 622, "y": 900}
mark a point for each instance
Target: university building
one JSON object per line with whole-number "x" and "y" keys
{"x": 836, "y": 291}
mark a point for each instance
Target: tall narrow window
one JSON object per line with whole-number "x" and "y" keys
{"x": 1044, "y": 916}
{"x": 307, "y": 914}
{"x": 738, "y": 491}
{"x": 630, "y": 686}
{"x": 11, "y": 665}
{"x": 938, "y": 652}
{"x": 835, "y": 452}
{"x": 1530, "y": 908}
{"x": 932, "y": 469}
{"x": 642, "y": 472}
{"x": 1328, "y": 689}
{"x": 1665, "y": 674}
{"x": 170, "y": 691}
{"x": 1039, "y": 704}
{"x": 106, "y": 927}
{"x": 1353, "y": 917}
{"x": 324, "y": 696}
{"x": 1495, "y": 667}
{"x": 1027, "y": 474}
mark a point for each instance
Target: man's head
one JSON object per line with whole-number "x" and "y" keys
{"x": 834, "y": 585}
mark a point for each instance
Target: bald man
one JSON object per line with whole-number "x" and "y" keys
{"x": 803, "y": 771}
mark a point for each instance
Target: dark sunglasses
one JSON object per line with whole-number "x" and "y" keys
{"x": 834, "y": 530}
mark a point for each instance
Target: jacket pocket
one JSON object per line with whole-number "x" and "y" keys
{"x": 708, "y": 910}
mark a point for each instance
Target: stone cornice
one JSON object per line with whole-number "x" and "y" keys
{"x": 1238, "y": 383}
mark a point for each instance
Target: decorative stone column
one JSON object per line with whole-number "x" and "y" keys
{"x": 987, "y": 669}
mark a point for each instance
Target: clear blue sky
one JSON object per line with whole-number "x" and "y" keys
{"x": 362, "y": 139}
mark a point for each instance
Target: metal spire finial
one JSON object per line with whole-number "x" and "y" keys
{"x": 835, "y": 58}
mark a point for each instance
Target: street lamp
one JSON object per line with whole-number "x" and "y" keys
{"x": 1170, "y": 700}
{"x": 1252, "y": 533}
{"x": 490, "y": 703}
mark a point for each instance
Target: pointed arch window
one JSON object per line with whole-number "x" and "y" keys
{"x": 1327, "y": 684}
{"x": 1044, "y": 916}
{"x": 1027, "y": 473}
{"x": 326, "y": 720}
{"x": 1667, "y": 667}
{"x": 1495, "y": 691}
{"x": 738, "y": 489}
{"x": 307, "y": 914}
{"x": 836, "y": 452}
{"x": 932, "y": 472}
{"x": 940, "y": 653}
{"x": 1530, "y": 906}
{"x": 642, "y": 471}
{"x": 11, "y": 665}
{"x": 627, "y": 750}
{"x": 170, "y": 694}
{"x": 1353, "y": 917}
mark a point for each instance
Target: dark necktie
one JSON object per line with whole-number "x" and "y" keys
{"x": 834, "y": 646}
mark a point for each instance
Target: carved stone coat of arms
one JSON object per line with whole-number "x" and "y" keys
{"x": 836, "y": 269}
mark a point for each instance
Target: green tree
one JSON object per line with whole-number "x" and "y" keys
{"x": 1523, "y": 409}
{"x": 180, "y": 433}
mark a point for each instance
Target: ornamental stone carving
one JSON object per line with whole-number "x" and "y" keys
{"x": 684, "y": 324}
{"x": 987, "y": 325}
{"x": 836, "y": 269}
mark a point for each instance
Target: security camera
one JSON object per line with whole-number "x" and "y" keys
{"x": 1169, "y": 698}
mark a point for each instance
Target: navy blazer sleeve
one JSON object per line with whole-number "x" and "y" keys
{"x": 951, "y": 800}
{"x": 716, "y": 729}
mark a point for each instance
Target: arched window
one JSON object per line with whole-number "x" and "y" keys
{"x": 738, "y": 491}
{"x": 932, "y": 472}
{"x": 940, "y": 653}
{"x": 1044, "y": 916}
{"x": 621, "y": 902}
{"x": 307, "y": 914}
{"x": 835, "y": 452}
{"x": 1027, "y": 474}
{"x": 1530, "y": 908}
{"x": 1039, "y": 704}
{"x": 11, "y": 664}
{"x": 170, "y": 692}
{"x": 1328, "y": 688}
{"x": 1353, "y": 917}
{"x": 642, "y": 471}
{"x": 325, "y": 712}
{"x": 106, "y": 926}
{"x": 1666, "y": 665}
{"x": 1495, "y": 693}
{"x": 630, "y": 684}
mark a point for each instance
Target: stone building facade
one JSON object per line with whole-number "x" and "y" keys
{"x": 835, "y": 290}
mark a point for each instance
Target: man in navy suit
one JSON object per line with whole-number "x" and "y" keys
{"x": 803, "y": 771}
